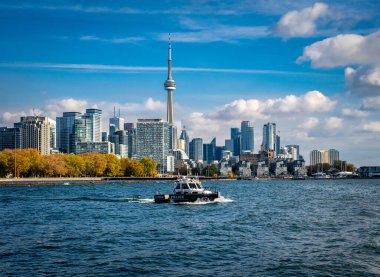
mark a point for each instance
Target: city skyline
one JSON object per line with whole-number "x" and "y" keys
{"x": 279, "y": 68}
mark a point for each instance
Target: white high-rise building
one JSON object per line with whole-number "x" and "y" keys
{"x": 152, "y": 141}
{"x": 323, "y": 156}
{"x": 35, "y": 133}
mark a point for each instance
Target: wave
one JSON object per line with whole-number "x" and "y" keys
{"x": 111, "y": 199}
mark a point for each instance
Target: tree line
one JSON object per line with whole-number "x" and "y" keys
{"x": 30, "y": 163}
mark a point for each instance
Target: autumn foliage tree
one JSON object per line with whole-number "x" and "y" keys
{"x": 29, "y": 163}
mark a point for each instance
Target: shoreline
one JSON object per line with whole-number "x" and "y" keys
{"x": 70, "y": 181}
{"x": 61, "y": 181}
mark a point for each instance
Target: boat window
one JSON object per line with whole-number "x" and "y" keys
{"x": 199, "y": 186}
{"x": 178, "y": 186}
{"x": 193, "y": 186}
{"x": 185, "y": 186}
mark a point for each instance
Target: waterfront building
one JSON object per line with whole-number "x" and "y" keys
{"x": 181, "y": 145}
{"x": 236, "y": 140}
{"x": 170, "y": 86}
{"x": 152, "y": 141}
{"x": 278, "y": 144}
{"x": 219, "y": 152}
{"x": 229, "y": 144}
{"x": 269, "y": 137}
{"x": 95, "y": 117}
{"x": 104, "y": 136}
{"x": 35, "y": 133}
{"x": 245, "y": 169}
{"x": 120, "y": 140}
{"x": 128, "y": 126}
{"x": 94, "y": 147}
{"x": 293, "y": 151}
{"x": 10, "y": 138}
{"x": 196, "y": 149}
{"x": 116, "y": 123}
{"x": 132, "y": 148}
{"x": 323, "y": 156}
{"x": 65, "y": 131}
{"x": 82, "y": 131}
{"x": 209, "y": 151}
{"x": 53, "y": 134}
{"x": 185, "y": 137}
{"x": 262, "y": 170}
{"x": 173, "y": 144}
{"x": 247, "y": 137}
{"x": 333, "y": 156}
{"x": 369, "y": 171}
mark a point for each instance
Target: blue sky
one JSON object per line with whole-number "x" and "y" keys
{"x": 311, "y": 67}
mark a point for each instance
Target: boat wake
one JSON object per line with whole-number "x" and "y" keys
{"x": 112, "y": 199}
{"x": 220, "y": 199}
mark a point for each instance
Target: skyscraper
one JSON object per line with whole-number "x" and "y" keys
{"x": 236, "y": 141}
{"x": 10, "y": 138}
{"x": 209, "y": 151}
{"x": 65, "y": 131}
{"x": 170, "y": 86}
{"x": 247, "y": 142}
{"x": 184, "y": 136}
{"x": 95, "y": 116}
{"x": 196, "y": 149}
{"x": 269, "y": 137}
{"x": 35, "y": 133}
{"x": 333, "y": 156}
{"x": 152, "y": 141}
{"x": 116, "y": 123}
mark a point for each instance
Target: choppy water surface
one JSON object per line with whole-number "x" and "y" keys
{"x": 270, "y": 228}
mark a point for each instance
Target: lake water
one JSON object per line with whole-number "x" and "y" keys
{"x": 262, "y": 228}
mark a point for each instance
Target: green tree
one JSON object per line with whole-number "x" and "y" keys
{"x": 95, "y": 164}
{"x": 5, "y": 169}
{"x": 149, "y": 167}
{"x": 132, "y": 168}
{"x": 210, "y": 170}
{"x": 113, "y": 165}
{"x": 75, "y": 165}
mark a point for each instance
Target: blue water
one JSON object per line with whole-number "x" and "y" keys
{"x": 271, "y": 228}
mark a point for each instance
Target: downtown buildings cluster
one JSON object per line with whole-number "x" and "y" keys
{"x": 78, "y": 133}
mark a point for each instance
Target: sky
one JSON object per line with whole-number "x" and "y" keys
{"x": 311, "y": 67}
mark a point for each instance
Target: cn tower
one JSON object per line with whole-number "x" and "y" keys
{"x": 170, "y": 86}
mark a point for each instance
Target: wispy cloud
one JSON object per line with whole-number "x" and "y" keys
{"x": 224, "y": 33}
{"x": 112, "y": 40}
{"x": 135, "y": 69}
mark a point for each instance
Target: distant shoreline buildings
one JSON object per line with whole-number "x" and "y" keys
{"x": 77, "y": 133}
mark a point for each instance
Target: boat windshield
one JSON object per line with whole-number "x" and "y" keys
{"x": 193, "y": 185}
{"x": 178, "y": 186}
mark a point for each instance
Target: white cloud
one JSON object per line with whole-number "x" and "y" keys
{"x": 371, "y": 103}
{"x": 286, "y": 111}
{"x": 343, "y": 50}
{"x": 354, "y": 113}
{"x": 364, "y": 81}
{"x": 56, "y": 107}
{"x": 310, "y": 102}
{"x": 309, "y": 123}
{"x": 154, "y": 105}
{"x": 373, "y": 126}
{"x": 333, "y": 123}
{"x": 301, "y": 23}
